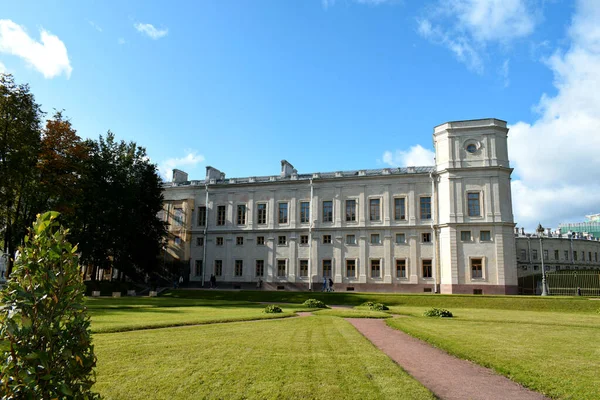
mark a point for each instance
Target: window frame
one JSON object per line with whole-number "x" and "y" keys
{"x": 283, "y": 242}
{"x": 283, "y": 214}
{"x": 262, "y": 213}
{"x": 355, "y": 269}
{"x": 475, "y": 277}
{"x": 260, "y": 240}
{"x": 202, "y": 216}
{"x": 327, "y": 218}
{"x": 330, "y": 267}
{"x": 326, "y": 239}
{"x": 375, "y": 217}
{"x": 300, "y": 269}
{"x": 239, "y": 240}
{"x": 241, "y": 216}
{"x": 218, "y": 267}
{"x": 375, "y": 236}
{"x": 402, "y": 216}
{"x": 200, "y": 241}
{"x": 304, "y": 214}
{"x": 219, "y": 241}
{"x": 482, "y": 239}
{"x": 400, "y": 234}
{"x": 278, "y": 265}
{"x": 423, "y": 237}
{"x": 405, "y": 269}
{"x": 379, "y": 269}
{"x": 465, "y": 236}
{"x": 430, "y": 268}
{"x": 259, "y": 263}
{"x": 221, "y": 212}
{"x": 201, "y": 263}
{"x": 353, "y": 215}
{"x": 479, "y": 202}
{"x": 423, "y": 207}
{"x": 239, "y": 263}
{"x": 353, "y": 243}
{"x": 302, "y": 242}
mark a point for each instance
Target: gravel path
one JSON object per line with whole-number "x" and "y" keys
{"x": 446, "y": 376}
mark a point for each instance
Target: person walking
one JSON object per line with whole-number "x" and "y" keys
{"x": 330, "y": 285}
{"x": 324, "y": 284}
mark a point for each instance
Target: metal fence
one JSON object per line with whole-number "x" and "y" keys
{"x": 573, "y": 283}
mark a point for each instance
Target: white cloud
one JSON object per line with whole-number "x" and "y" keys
{"x": 121, "y": 41}
{"x": 476, "y": 23}
{"x": 556, "y": 157}
{"x": 95, "y": 26}
{"x": 416, "y": 156}
{"x": 191, "y": 159}
{"x": 2, "y": 68}
{"x": 150, "y": 31}
{"x": 49, "y": 56}
{"x": 504, "y": 72}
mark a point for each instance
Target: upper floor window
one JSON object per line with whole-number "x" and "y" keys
{"x": 485, "y": 236}
{"x": 239, "y": 268}
{"x": 303, "y": 268}
{"x": 283, "y": 213}
{"x": 219, "y": 241}
{"x": 221, "y": 215}
{"x": 304, "y": 212}
{"x": 326, "y": 239}
{"x": 534, "y": 254}
{"x": 375, "y": 268}
{"x": 201, "y": 216}
{"x": 427, "y": 269}
{"x": 178, "y": 217}
{"x": 426, "y": 237}
{"x": 374, "y": 210}
{"x": 556, "y": 255}
{"x": 350, "y": 268}
{"x": 303, "y": 239}
{"x": 425, "y": 207}
{"x": 281, "y": 267}
{"x": 400, "y": 209}
{"x": 566, "y": 255}
{"x": 218, "y": 267}
{"x": 261, "y": 213}
{"x": 465, "y": 236}
{"x": 473, "y": 204}
{"x": 239, "y": 240}
{"x": 200, "y": 241}
{"x": 282, "y": 240}
{"x": 375, "y": 238}
{"x": 350, "y": 210}
{"x": 476, "y": 268}
{"x": 260, "y": 268}
{"x": 401, "y": 268}
{"x": 523, "y": 254}
{"x": 241, "y": 214}
{"x": 260, "y": 240}
{"x": 350, "y": 239}
{"x": 400, "y": 238}
{"x": 327, "y": 211}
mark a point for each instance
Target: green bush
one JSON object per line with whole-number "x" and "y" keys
{"x": 367, "y": 304}
{"x": 272, "y": 309}
{"x": 379, "y": 307}
{"x": 438, "y": 312}
{"x": 314, "y": 303}
{"x": 44, "y": 327}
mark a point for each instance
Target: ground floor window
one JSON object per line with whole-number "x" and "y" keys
{"x": 375, "y": 268}
{"x": 239, "y": 268}
{"x": 327, "y": 268}
{"x": 350, "y": 268}
{"x": 199, "y": 267}
{"x": 260, "y": 268}
{"x": 218, "y": 267}
{"x": 303, "y": 268}
{"x": 427, "y": 270}
{"x": 281, "y": 264}
{"x": 401, "y": 268}
{"x": 476, "y": 268}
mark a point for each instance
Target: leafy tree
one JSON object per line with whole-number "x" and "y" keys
{"x": 44, "y": 325}
{"x": 20, "y": 119}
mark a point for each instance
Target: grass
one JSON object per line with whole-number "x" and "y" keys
{"x": 554, "y": 353}
{"x": 525, "y": 303}
{"x": 352, "y": 313}
{"x": 311, "y": 357}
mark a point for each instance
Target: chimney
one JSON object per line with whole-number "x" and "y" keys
{"x": 214, "y": 174}
{"x": 179, "y": 176}
{"x": 287, "y": 169}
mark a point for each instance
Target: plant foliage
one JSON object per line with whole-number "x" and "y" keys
{"x": 45, "y": 330}
{"x": 314, "y": 303}
{"x": 272, "y": 309}
{"x": 438, "y": 312}
{"x": 378, "y": 307}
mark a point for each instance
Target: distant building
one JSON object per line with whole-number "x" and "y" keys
{"x": 589, "y": 227}
{"x": 446, "y": 228}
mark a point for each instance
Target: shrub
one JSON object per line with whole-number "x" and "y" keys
{"x": 379, "y": 307}
{"x": 438, "y": 312}
{"x": 44, "y": 326}
{"x": 314, "y": 303}
{"x": 367, "y": 304}
{"x": 272, "y": 309}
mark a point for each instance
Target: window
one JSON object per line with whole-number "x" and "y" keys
{"x": 399, "y": 209}
{"x": 326, "y": 239}
{"x": 303, "y": 268}
{"x": 260, "y": 240}
{"x": 239, "y": 240}
{"x": 375, "y": 268}
{"x": 304, "y": 212}
{"x": 400, "y": 238}
{"x": 260, "y": 268}
{"x": 350, "y": 268}
{"x": 465, "y": 236}
{"x": 582, "y": 255}
{"x": 281, "y": 264}
{"x": 198, "y": 267}
{"x": 241, "y": 214}
{"x": 473, "y": 205}
{"x": 375, "y": 239}
{"x": 574, "y": 256}
{"x": 425, "y": 204}
{"x": 590, "y": 256}
{"x": 534, "y": 254}
{"x": 283, "y": 213}
{"x": 596, "y": 257}
{"x": 485, "y": 236}
{"x": 566, "y": 255}
{"x": 374, "y": 210}
{"x": 350, "y": 210}
{"x": 427, "y": 270}
{"x": 282, "y": 240}
{"x": 200, "y": 241}
{"x": 476, "y": 268}
{"x": 545, "y": 254}
{"x": 350, "y": 239}
{"x": 556, "y": 255}
{"x": 426, "y": 237}
{"x": 218, "y": 267}
{"x": 327, "y": 211}
{"x": 219, "y": 241}
{"x": 261, "y": 213}
{"x": 239, "y": 268}
{"x": 221, "y": 215}
{"x": 303, "y": 239}
{"x": 401, "y": 268}
{"x": 177, "y": 240}
{"x": 178, "y": 217}
{"x": 327, "y": 268}
{"x": 523, "y": 254}
{"x": 201, "y": 216}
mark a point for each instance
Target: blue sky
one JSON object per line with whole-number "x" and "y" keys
{"x": 327, "y": 85}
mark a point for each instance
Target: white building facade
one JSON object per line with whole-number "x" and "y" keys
{"x": 446, "y": 228}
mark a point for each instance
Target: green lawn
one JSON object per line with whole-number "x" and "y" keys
{"x": 310, "y": 357}
{"x": 554, "y": 353}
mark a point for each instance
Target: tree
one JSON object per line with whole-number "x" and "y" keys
{"x": 20, "y": 119}
{"x": 45, "y": 328}
{"x": 122, "y": 195}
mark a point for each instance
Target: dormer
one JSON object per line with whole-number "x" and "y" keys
{"x": 287, "y": 169}
{"x": 213, "y": 174}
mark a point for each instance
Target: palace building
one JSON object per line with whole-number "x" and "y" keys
{"x": 444, "y": 228}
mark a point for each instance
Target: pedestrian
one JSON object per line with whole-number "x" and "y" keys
{"x": 213, "y": 281}
{"x": 578, "y": 291}
{"x": 259, "y": 283}
{"x": 330, "y": 285}
{"x": 180, "y": 280}
{"x": 324, "y": 284}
